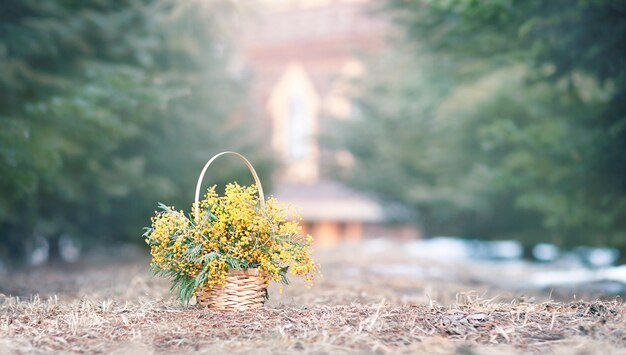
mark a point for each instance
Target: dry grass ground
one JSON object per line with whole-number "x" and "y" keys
{"x": 103, "y": 307}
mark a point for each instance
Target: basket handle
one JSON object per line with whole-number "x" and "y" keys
{"x": 250, "y": 167}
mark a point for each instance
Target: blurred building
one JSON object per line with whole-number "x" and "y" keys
{"x": 302, "y": 56}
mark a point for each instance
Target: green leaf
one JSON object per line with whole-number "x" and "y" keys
{"x": 206, "y": 258}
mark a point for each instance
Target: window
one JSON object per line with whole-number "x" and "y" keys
{"x": 298, "y": 126}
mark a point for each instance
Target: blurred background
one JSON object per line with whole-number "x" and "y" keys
{"x": 487, "y": 137}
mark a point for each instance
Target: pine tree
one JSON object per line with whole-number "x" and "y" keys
{"x": 500, "y": 119}
{"x": 107, "y": 108}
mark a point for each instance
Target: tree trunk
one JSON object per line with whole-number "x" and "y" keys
{"x": 54, "y": 250}
{"x": 13, "y": 249}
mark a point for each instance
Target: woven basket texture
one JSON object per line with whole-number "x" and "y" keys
{"x": 244, "y": 290}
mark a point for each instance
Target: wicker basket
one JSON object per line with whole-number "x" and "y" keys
{"x": 244, "y": 289}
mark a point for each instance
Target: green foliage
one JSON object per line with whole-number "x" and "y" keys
{"x": 500, "y": 119}
{"x": 107, "y": 106}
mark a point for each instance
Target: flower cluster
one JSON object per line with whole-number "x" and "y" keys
{"x": 233, "y": 231}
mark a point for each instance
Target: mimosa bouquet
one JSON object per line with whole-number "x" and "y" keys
{"x": 228, "y": 251}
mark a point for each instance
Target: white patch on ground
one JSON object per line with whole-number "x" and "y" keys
{"x": 496, "y": 263}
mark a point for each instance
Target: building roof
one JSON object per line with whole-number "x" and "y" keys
{"x": 330, "y": 201}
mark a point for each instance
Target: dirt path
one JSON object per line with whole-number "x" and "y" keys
{"x": 102, "y": 308}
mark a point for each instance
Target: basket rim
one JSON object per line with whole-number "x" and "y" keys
{"x": 244, "y": 272}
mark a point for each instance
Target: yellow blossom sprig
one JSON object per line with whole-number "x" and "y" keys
{"x": 233, "y": 231}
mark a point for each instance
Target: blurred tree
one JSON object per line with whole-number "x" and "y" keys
{"x": 108, "y": 107}
{"x": 501, "y": 119}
